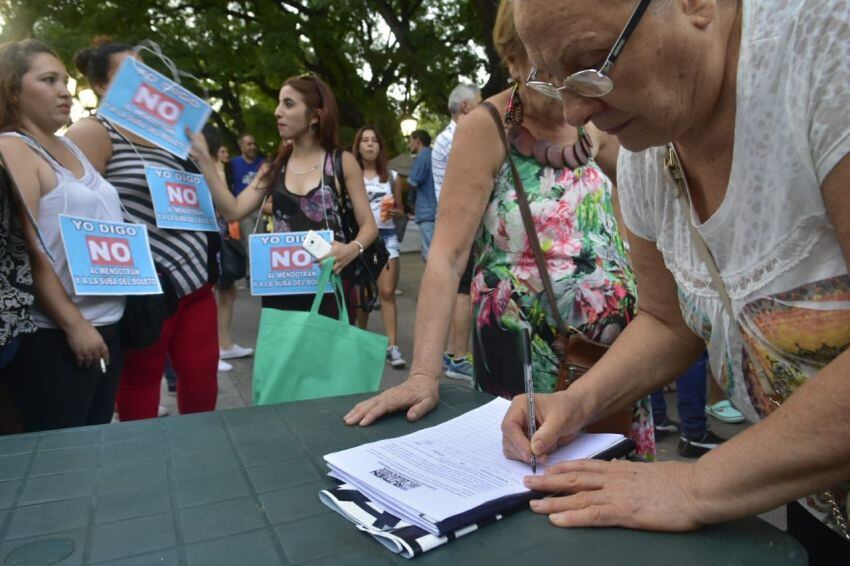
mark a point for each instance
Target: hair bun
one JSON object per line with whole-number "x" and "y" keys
{"x": 82, "y": 58}
{"x": 100, "y": 41}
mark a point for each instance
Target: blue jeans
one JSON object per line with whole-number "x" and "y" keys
{"x": 691, "y": 400}
{"x": 426, "y": 231}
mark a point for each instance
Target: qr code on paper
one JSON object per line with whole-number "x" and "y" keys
{"x": 395, "y": 479}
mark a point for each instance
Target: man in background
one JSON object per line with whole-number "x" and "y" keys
{"x": 457, "y": 361}
{"x": 422, "y": 180}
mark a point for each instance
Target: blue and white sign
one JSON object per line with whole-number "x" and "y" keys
{"x": 281, "y": 266}
{"x": 181, "y": 200}
{"x": 154, "y": 107}
{"x": 108, "y": 258}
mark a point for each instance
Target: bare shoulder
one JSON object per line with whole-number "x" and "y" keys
{"x": 477, "y": 138}
{"x": 350, "y": 164}
{"x": 93, "y": 139}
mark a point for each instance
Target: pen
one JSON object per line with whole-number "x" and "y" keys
{"x": 102, "y": 365}
{"x": 529, "y": 390}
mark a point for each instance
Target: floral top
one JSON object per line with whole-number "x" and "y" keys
{"x": 16, "y": 298}
{"x": 590, "y": 272}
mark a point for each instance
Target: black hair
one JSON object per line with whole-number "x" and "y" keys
{"x": 422, "y": 136}
{"x": 213, "y": 138}
{"x": 93, "y": 62}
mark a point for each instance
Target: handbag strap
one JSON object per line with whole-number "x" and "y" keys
{"x": 674, "y": 167}
{"x": 328, "y": 276}
{"x": 528, "y": 222}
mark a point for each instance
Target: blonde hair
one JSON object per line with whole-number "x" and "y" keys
{"x": 505, "y": 37}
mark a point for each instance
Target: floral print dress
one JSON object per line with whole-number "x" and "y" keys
{"x": 590, "y": 272}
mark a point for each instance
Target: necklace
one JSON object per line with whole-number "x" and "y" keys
{"x": 551, "y": 154}
{"x": 302, "y": 173}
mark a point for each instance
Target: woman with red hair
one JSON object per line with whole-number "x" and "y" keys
{"x": 300, "y": 181}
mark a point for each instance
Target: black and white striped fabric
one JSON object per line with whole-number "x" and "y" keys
{"x": 181, "y": 253}
{"x": 397, "y": 535}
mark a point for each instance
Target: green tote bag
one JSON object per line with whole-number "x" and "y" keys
{"x": 305, "y": 355}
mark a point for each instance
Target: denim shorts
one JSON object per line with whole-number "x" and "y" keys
{"x": 390, "y": 241}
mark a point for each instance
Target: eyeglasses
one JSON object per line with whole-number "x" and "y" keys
{"x": 592, "y": 83}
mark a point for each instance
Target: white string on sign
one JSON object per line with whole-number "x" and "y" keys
{"x": 176, "y": 73}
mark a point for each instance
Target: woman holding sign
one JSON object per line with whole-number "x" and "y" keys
{"x": 189, "y": 335}
{"x": 300, "y": 181}
{"x": 66, "y": 373}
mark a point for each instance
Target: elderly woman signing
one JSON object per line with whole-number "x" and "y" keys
{"x": 734, "y": 117}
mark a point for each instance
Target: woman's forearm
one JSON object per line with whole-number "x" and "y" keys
{"x": 224, "y": 200}
{"x": 801, "y": 449}
{"x": 648, "y": 355}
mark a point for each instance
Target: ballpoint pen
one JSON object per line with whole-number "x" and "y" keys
{"x": 529, "y": 390}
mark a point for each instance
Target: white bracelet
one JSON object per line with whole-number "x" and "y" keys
{"x": 359, "y": 245}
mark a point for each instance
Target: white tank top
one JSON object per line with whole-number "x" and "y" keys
{"x": 90, "y": 196}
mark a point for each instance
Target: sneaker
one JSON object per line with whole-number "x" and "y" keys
{"x": 224, "y": 366}
{"x": 689, "y": 448}
{"x": 172, "y": 389}
{"x": 446, "y": 361}
{"x": 665, "y": 428}
{"x": 460, "y": 368}
{"x": 162, "y": 411}
{"x": 724, "y": 411}
{"x": 235, "y": 351}
{"x": 394, "y": 357}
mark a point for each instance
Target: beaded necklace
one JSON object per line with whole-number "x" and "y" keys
{"x": 544, "y": 152}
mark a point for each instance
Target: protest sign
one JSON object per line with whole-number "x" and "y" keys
{"x": 281, "y": 266}
{"x": 181, "y": 200}
{"x": 153, "y": 107}
{"x": 108, "y": 258}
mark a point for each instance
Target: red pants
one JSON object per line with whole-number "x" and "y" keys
{"x": 190, "y": 338}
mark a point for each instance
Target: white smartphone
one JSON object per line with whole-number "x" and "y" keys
{"x": 316, "y": 245}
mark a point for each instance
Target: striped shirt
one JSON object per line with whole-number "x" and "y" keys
{"x": 180, "y": 253}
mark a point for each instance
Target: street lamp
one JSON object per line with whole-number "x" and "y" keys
{"x": 408, "y": 125}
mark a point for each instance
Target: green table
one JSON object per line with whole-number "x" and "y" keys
{"x": 241, "y": 487}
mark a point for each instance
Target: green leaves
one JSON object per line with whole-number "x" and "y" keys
{"x": 369, "y": 51}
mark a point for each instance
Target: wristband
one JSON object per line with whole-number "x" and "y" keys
{"x": 359, "y": 245}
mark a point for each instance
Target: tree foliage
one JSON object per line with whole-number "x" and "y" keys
{"x": 382, "y": 58}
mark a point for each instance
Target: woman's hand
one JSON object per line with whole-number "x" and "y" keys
{"x": 419, "y": 395}
{"x": 557, "y": 425}
{"x": 397, "y": 212}
{"x": 343, "y": 254}
{"x": 658, "y": 496}
{"x": 198, "y": 148}
{"x": 87, "y": 344}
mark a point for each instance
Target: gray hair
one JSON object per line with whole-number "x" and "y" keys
{"x": 461, "y": 94}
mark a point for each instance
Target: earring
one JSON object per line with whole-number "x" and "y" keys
{"x": 514, "y": 112}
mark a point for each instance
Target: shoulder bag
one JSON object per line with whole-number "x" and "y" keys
{"x": 578, "y": 353}
{"x": 364, "y": 271}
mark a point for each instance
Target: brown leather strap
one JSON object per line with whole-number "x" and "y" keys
{"x": 528, "y": 222}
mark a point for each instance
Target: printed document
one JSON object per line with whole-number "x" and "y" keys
{"x": 441, "y": 472}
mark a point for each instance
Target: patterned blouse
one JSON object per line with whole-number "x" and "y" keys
{"x": 16, "y": 298}
{"x": 587, "y": 261}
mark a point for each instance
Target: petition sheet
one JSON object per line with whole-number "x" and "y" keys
{"x": 442, "y": 471}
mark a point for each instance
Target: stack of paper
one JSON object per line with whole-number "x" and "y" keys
{"x": 444, "y": 481}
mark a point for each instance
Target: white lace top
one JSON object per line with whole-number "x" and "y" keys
{"x": 771, "y": 237}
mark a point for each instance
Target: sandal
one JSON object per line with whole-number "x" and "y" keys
{"x": 724, "y": 411}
